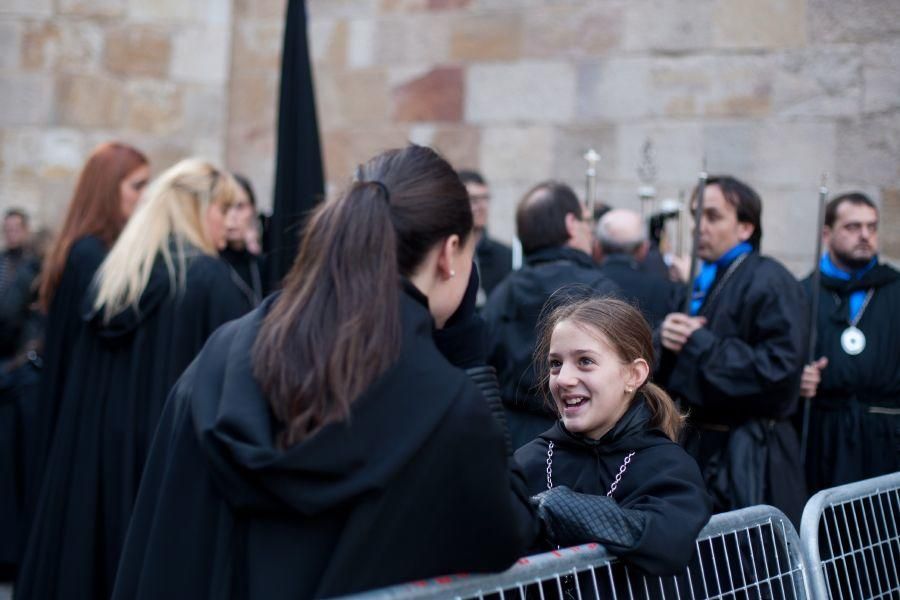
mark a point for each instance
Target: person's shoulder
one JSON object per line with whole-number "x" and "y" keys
{"x": 668, "y": 457}
{"x": 87, "y": 248}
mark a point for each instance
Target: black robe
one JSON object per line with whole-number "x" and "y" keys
{"x": 494, "y": 262}
{"x": 416, "y": 483}
{"x": 662, "y": 481}
{"x": 248, "y": 273}
{"x": 39, "y": 407}
{"x": 117, "y": 381}
{"x": 739, "y": 376}
{"x": 512, "y": 313}
{"x": 849, "y": 439}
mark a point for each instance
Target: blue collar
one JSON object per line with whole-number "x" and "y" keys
{"x": 827, "y": 266}
{"x": 708, "y": 272}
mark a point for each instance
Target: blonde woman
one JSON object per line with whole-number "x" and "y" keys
{"x": 157, "y": 296}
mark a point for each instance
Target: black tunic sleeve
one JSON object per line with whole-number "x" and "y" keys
{"x": 739, "y": 365}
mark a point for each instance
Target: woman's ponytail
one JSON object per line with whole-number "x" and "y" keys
{"x": 336, "y": 326}
{"x": 664, "y": 414}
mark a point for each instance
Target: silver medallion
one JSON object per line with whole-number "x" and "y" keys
{"x": 853, "y": 341}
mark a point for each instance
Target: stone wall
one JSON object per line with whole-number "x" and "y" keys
{"x": 773, "y": 91}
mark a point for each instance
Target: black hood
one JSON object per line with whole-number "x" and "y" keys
{"x": 631, "y": 433}
{"x": 338, "y": 464}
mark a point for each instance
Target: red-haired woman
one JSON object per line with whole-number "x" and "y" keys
{"x": 105, "y": 196}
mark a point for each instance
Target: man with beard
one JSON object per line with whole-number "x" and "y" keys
{"x": 735, "y": 360}
{"x": 854, "y": 385}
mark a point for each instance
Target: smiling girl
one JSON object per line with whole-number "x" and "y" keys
{"x": 615, "y": 437}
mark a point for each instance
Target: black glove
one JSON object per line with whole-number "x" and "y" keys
{"x": 570, "y": 518}
{"x": 462, "y": 340}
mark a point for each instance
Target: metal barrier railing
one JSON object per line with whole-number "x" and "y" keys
{"x": 753, "y": 553}
{"x": 851, "y": 539}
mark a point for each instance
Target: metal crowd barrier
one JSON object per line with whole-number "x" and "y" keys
{"x": 751, "y": 554}
{"x": 851, "y": 539}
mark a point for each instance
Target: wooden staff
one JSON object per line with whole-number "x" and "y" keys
{"x": 814, "y": 312}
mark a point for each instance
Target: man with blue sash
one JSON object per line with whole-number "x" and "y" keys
{"x": 855, "y": 382}
{"x": 735, "y": 361}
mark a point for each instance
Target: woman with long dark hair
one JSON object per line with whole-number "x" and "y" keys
{"x": 157, "y": 296}
{"x": 108, "y": 189}
{"x": 328, "y": 442}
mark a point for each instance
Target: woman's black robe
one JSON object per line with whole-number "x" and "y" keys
{"x": 662, "y": 481}
{"x": 118, "y": 379}
{"x": 416, "y": 483}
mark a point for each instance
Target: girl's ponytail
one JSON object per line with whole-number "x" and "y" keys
{"x": 664, "y": 415}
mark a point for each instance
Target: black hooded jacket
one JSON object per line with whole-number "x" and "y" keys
{"x": 415, "y": 483}
{"x": 118, "y": 377}
{"x": 661, "y": 481}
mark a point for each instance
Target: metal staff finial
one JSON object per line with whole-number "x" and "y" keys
{"x": 590, "y": 191}
{"x": 646, "y": 172}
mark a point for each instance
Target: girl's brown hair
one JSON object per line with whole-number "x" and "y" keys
{"x": 95, "y": 209}
{"x": 336, "y": 326}
{"x": 625, "y": 330}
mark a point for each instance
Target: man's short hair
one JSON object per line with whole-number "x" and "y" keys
{"x": 857, "y": 198}
{"x": 17, "y": 212}
{"x": 468, "y": 176}
{"x": 541, "y": 216}
{"x": 744, "y": 199}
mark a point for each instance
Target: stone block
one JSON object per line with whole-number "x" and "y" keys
{"x": 460, "y": 145}
{"x": 759, "y": 24}
{"x": 419, "y": 5}
{"x": 260, "y": 9}
{"x": 90, "y": 101}
{"x": 256, "y": 47}
{"x": 487, "y": 37}
{"x": 860, "y": 21}
{"x": 344, "y": 150}
{"x": 517, "y": 153}
{"x": 346, "y": 9}
{"x": 213, "y": 13}
{"x": 789, "y": 221}
{"x": 351, "y": 98}
{"x": 729, "y": 147}
{"x": 200, "y": 55}
{"x": 869, "y": 150}
{"x": 890, "y": 222}
{"x": 93, "y": 8}
{"x": 530, "y": 91}
{"x": 415, "y": 39}
{"x": 881, "y": 78}
{"x": 821, "y": 81}
{"x": 617, "y": 88}
{"x": 361, "y": 43}
{"x": 570, "y": 145}
{"x": 587, "y": 29}
{"x": 677, "y": 146}
{"x": 435, "y": 96}
{"x": 156, "y": 107}
{"x": 27, "y": 99}
{"x": 62, "y": 45}
{"x": 654, "y": 25}
{"x": 10, "y": 44}
{"x": 27, "y": 8}
{"x": 795, "y": 153}
{"x": 138, "y": 50}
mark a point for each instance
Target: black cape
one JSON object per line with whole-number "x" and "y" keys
{"x": 662, "y": 481}
{"x": 847, "y": 440}
{"x": 248, "y": 273}
{"x": 415, "y": 483}
{"x": 740, "y": 376}
{"x": 646, "y": 290}
{"x": 40, "y": 407}
{"x": 118, "y": 377}
{"x": 512, "y": 313}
